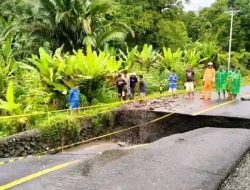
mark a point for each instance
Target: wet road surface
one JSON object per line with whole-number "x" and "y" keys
{"x": 18, "y": 169}
{"x": 199, "y": 159}
{"x": 213, "y": 107}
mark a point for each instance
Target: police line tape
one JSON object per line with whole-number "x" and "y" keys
{"x": 113, "y": 133}
{"x": 85, "y": 107}
{"x": 61, "y": 148}
{"x": 107, "y": 135}
{"x": 89, "y": 140}
{"x": 110, "y": 134}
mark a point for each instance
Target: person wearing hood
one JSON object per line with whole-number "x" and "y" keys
{"x": 74, "y": 98}
{"x": 221, "y": 82}
{"x": 173, "y": 79}
{"x": 230, "y": 76}
{"x": 236, "y": 83}
{"x": 209, "y": 79}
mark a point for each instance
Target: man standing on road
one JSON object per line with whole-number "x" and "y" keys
{"x": 133, "y": 82}
{"x": 209, "y": 79}
{"x": 173, "y": 79}
{"x": 190, "y": 80}
{"x": 221, "y": 82}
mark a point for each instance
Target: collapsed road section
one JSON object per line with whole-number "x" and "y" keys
{"x": 184, "y": 152}
{"x": 198, "y": 159}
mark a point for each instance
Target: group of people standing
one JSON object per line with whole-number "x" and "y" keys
{"x": 189, "y": 84}
{"x": 126, "y": 86}
{"x": 225, "y": 82}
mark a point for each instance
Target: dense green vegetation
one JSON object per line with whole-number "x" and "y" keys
{"x": 49, "y": 46}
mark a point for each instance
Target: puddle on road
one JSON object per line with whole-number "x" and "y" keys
{"x": 100, "y": 160}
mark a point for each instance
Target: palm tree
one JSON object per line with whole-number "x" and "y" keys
{"x": 72, "y": 23}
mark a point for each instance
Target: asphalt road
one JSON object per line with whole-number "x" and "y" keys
{"x": 235, "y": 109}
{"x": 198, "y": 159}
{"x": 19, "y": 169}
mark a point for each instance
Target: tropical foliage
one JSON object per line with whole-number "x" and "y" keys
{"x": 49, "y": 46}
{"x": 60, "y": 72}
{"x": 72, "y": 23}
{"x": 9, "y": 106}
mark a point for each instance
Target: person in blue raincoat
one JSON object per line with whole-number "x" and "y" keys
{"x": 74, "y": 98}
{"x": 173, "y": 79}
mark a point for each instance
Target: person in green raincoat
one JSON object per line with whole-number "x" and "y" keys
{"x": 221, "y": 82}
{"x": 236, "y": 83}
{"x": 230, "y": 75}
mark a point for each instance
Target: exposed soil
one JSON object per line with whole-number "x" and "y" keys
{"x": 174, "y": 124}
{"x": 178, "y": 123}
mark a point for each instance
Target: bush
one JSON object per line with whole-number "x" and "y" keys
{"x": 102, "y": 123}
{"x": 60, "y": 129}
{"x": 155, "y": 79}
{"x": 83, "y": 100}
{"x": 7, "y": 128}
{"x": 106, "y": 96}
{"x": 14, "y": 125}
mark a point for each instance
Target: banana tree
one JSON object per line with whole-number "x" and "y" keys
{"x": 172, "y": 60}
{"x": 9, "y": 106}
{"x": 129, "y": 58}
{"x": 7, "y": 64}
{"x": 60, "y": 72}
{"x": 192, "y": 57}
{"x": 51, "y": 68}
{"x": 93, "y": 68}
{"x": 208, "y": 50}
{"x": 147, "y": 58}
{"x": 93, "y": 64}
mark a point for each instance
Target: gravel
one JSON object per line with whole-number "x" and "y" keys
{"x": 240, "y": 178}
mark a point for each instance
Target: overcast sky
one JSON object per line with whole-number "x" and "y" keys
{"x": 198, "y": 4}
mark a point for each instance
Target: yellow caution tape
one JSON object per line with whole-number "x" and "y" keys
{"x": 85, "y": 141}
{"x": 89, "y": 140}
{"x": 85, "y": 107}
{"x": 107, "y": 135}
{"x": 113, "y": 133}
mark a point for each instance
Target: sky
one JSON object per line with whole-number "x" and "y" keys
{"x": 196, "y": 5}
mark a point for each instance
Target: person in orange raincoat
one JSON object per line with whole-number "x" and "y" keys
{"x": 209, "y": 79}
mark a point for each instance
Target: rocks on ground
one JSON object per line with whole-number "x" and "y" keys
{"x": 165, "y": 103}
{"x": 21, "y": 144}
{"x": 240, "y": 178}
